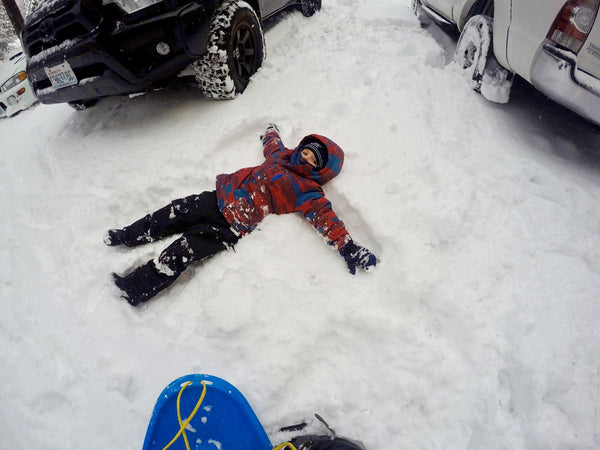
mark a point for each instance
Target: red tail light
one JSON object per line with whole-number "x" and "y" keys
{"x": 573, "y": 23}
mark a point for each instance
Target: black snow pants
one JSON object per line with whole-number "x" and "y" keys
{"x": 205, "y": 232}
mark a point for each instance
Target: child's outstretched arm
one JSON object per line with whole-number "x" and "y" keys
{"x": 318, "y": 211}
{"x": 271, "y": 141}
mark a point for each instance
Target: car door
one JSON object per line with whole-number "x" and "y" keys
{"x": 445, "y": 7}
{"x": 430, "y": 3}
{"x": 269, "y": 7}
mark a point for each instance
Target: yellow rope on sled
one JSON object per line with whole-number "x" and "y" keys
{"x": 183, "y": 424}
{"x": 284, "y": 446}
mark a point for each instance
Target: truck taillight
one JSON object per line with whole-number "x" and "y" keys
{"x": 573, "y": 23}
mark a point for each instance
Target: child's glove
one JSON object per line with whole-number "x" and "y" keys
{"x": 270, "y": 128}
{"x": 357, "y": 256}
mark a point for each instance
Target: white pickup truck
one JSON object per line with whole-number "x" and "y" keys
{"x": 553, "y": 44}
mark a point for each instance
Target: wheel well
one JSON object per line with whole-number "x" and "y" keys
{"x": 253, "y": 3}
{"x": 484, "y": 7}
{"x": 476, "y": 7}
{"x": 255, "y": 7}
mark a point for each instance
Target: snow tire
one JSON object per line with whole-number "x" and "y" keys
{"x": 235, "y": 51}
{"x": 310, "y": 7}
{"x": 475, "y": 58}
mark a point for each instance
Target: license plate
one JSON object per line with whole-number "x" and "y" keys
{"x": 61, "y": 76}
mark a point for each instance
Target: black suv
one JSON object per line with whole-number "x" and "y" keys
{"x": 81, "y": 50}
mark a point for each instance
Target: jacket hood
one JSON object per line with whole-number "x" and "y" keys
{"x": 335, "y": 160}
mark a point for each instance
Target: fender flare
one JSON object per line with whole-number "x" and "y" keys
{"x": 502, "y": 19}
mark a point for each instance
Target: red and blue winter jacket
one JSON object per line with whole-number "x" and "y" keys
{"x": 282, "y": 184}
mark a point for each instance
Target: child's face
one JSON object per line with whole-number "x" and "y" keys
{"x": 309, "y": 157}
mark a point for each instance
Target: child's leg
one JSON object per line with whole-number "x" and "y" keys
{"x": 176, "y": 217}
{"x": 198, "y": 243}
{"x": 143, "y": 283}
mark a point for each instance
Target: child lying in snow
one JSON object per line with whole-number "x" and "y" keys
{"x": 289, "y": 180}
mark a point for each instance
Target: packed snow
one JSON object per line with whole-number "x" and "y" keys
{"x": 478, "y": 329}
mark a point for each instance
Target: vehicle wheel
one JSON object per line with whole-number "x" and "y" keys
{"x": 475, "y": 58}
{"x": 417, "y": 9}
{"x": 236, "y": 49}
{"x": 81, "y": 105}
{"x": 310, "y": 7}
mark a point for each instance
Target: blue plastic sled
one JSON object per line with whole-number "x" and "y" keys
{"x": 189, "y": 416}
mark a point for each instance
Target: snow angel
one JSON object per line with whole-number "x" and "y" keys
{"x": 289, "y": 180}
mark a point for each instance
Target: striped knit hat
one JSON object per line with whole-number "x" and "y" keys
{"x": 320, "y": 152}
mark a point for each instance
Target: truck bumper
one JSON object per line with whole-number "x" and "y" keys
{"x": 555, "y": 73}
{"x": 124, "y": 60}
{"x": 98, "y": 75}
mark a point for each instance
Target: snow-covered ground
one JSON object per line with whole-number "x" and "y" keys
{"x": 478, "y": 329}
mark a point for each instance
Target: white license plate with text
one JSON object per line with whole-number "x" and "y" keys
{"x": 61, "y": 76}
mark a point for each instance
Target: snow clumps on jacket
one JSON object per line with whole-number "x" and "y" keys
{"x": 282, "y": 184}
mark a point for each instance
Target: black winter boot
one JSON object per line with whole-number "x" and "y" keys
{"x": 113, "y": 237}
{"x": 143, "y": 283}
{"x": 314, "y": 442}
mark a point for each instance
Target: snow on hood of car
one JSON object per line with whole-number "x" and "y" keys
{"x": 11, "y": 67}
